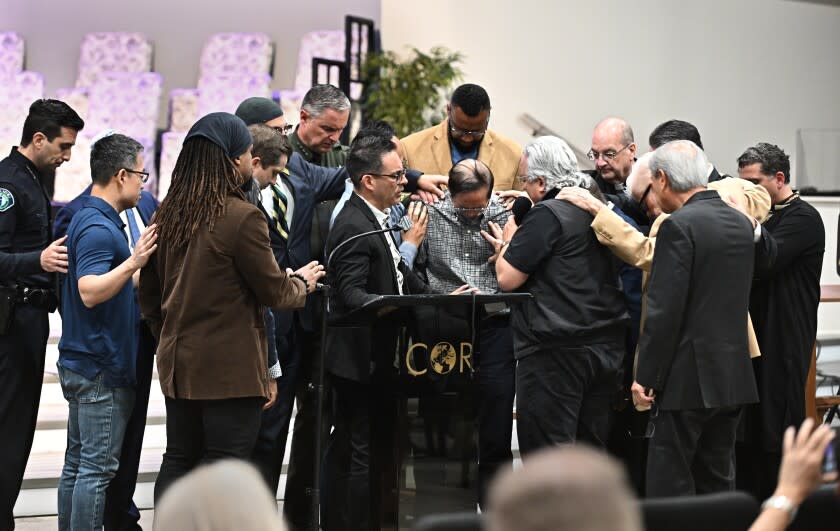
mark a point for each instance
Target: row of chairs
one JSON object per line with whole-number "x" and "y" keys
{"x": 728, "y": 511}
{"x": 117, "y": 89}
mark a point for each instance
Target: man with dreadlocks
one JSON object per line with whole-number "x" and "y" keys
{"x": 203, "y": 295}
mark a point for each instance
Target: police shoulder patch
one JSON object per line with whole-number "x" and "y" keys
{"x": 7, "y": 200}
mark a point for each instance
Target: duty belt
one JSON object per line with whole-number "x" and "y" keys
{"x": 39, "y": 297}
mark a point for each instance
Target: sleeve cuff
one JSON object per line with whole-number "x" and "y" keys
{"x": 274, "y": 372}
{"x": 408, "y": 251}
{"x": 412, "y": 176}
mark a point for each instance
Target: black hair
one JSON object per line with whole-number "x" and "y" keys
{"x": 111, "y": 154}
{"x": 48, "y": 117}
{"x": 772, "y": 158}
{"x": 470, "y": 175}
{"x": 674, "y": 130}
{"x": 367, "y": 149}
{"x": 471, "y": 99}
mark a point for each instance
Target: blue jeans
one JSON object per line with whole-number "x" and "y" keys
{"x": 95, "y": 431}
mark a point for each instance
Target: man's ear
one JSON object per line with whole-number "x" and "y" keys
{"x": 256, "y": 162}
{"x": 39, "y": 139}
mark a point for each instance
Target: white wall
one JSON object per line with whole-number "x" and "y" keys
{"x": 742, "y": 71}
{"x": 178, "y": 28}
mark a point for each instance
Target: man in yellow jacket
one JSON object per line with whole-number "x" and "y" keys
{"x": 464, "y": 134}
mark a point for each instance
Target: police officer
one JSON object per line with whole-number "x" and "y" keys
{"x": 28, "y": 263}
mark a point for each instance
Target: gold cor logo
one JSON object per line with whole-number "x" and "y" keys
{"x": 443, "y": 358}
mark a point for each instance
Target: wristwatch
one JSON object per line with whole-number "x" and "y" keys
{"x": 783, "y": 503}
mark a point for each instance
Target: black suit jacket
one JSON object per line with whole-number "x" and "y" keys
{"x": 359, "y": 271}
{"x": 693, "y": 350}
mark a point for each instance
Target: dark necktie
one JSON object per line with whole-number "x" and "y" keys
{"x": 133, "y": 229}
{"x": 280, "y": 202}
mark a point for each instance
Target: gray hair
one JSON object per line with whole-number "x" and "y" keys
{"x": 551, "y": 158}
{"x": 322, "y": 97}
{"x": 683, "y": 162}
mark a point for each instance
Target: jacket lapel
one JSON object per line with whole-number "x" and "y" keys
{"x": 440, "y": 146}
{"x": 360, "y": 204}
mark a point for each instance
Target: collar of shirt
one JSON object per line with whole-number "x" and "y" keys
{"x": 382, "y": 216}
{"x": 457, "y": 155}
{"x": 22, "y": 159}
{"x": 105, "y": 208}
{"x": 297, "y": 145}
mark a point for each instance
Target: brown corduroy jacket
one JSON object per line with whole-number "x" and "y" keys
{"x": 204, "y": 303}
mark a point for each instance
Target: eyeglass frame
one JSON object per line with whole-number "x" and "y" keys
{"x": 641, "y": 201}
{"x": 285, "y": 130}
{"x": 396, "y": 177}
{"x": 607, "y": 155}
{"x": 144, "y": 175}
{"x": 460, "y": 132}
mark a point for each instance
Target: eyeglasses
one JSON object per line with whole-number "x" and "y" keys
{"x": 284, "y": 130}
{"x": 457, "y": 131}
{"x": 474, "y": 210}
{"x": 144, "y": 175}
{"x": 606, "y": 155}
{"x": 396, "y": 176}
{"x": 642, "y": 206}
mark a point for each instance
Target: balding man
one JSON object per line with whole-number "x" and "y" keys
{"x": 614, "y": 151}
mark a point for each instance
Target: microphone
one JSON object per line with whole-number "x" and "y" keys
{"x": 404, "y": 223}
{"x": 521, "y": 206}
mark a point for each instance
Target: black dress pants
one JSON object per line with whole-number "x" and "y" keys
{"x": 203, "y": 431}
{"x": 300, "y": 481}
{"x": 496, "y": 387}
{"x": 564, "y": 395}
{"x": 692, "y": 451}
{"x": 361, "y": 455}
{"x": 22, "y": 352}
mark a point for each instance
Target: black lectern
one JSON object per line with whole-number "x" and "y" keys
{"x": 437, "y": 424}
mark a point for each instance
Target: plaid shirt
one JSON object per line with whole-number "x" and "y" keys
{"x": 456, "y": 251}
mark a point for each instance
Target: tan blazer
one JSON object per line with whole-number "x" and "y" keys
{"x": 204, "y": 303}
{"x": 636, "y": 249}
{"x": 428, "y": 151}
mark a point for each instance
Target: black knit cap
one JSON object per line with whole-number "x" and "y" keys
{"x": 225, "y": 130}
{"x": 258, "y": 110}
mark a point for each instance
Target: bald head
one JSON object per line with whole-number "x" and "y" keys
{"x": 613, "y": 149}
{"x": 567, "y": 488}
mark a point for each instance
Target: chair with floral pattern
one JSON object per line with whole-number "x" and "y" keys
{"x": 11, "y": 53}
{"x": 17, "y": 92}
{"x": 106, "y": 52}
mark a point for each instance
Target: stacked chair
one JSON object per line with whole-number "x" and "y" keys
{"x": 18, "y": 89}
{"x": 115, "y": 89}
{"x": 233, "y": 66}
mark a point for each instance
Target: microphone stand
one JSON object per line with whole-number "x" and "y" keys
{"x": 403, "y": 224}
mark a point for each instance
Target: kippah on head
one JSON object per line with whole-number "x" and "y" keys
{"x": 258, "y": 110}
{"x": 225, "y": 130}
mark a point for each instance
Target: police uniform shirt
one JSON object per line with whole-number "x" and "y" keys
{"x": 24, "y": 223}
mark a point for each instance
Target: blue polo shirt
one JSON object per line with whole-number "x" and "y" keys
{"x": 102, "y": 338}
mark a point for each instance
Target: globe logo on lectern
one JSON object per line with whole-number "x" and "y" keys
{"x": 443, "y": 358}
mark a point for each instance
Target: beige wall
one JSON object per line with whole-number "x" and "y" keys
{"x": 53, "y": 30}
{"x": 742, "y": 71}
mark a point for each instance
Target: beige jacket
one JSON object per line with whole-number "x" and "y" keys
{"x": 636, "y": 249}
{"x": 428, "y": 151}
